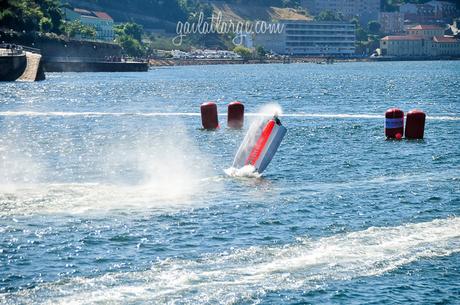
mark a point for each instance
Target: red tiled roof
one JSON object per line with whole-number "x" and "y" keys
{"x": 445, "y": 39}
{"x": 82, "y": 11}
{"x": 103, "y": 15}
{"x": 405, "y": 37}
{"x": 426, "y": 27}
{"x": 92, "y": 14}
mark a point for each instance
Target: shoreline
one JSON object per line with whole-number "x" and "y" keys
{"x": 199, "y": 62}
{"x": 165, "y": 62}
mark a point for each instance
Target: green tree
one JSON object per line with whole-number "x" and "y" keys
{"x": 131, "y": 29}
{"x": 329, "y": 16}
{"x": 131, "y": 46}
{"x": 243, "y": 52}
{"x": 88, "y": 31}
{"x": 361, "y": 34}
{"x": 74, "y": 28}
{"x": 260, "y": 51}
{"x": 374, "y": 27}
{"x": 45, "y": 25}
{"x": 27, "y": 15}
{"x": 129, "y": 37}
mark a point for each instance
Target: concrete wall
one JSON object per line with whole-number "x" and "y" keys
{"x": 74, "y": 50}
{"x": 96, "y": 66}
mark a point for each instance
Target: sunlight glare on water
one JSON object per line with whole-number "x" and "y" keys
{"x": 110, "y": 191}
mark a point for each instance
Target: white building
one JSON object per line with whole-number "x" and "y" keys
{"x": 365, "y": 10}
{"x": 299, "y": 37}
{"x": 446, "y": 46}
{"x": 426, "y": 30}
{"x": 177, "y": 54}
{"x": 100, "y": 21}
{"x": 421, "y": 41}
{"x": 205, "y": 54}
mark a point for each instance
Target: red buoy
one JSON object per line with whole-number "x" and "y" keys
{"x": 394, "y": 123}
{"x": 209, "y": 117}
{"x": 415, "y": 124}
{"x": 235, "y": 118}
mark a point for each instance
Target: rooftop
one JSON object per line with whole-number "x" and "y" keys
{"x": 93, "y": 14}
{"x": 103, "y": 15}
{"x": 445, "y": 39}
{"x": 82, "y": 11}
{"x": 403, "y": 37}
{"x": 426, "y": 27}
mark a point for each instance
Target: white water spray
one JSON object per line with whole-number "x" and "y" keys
{"x": 163, "y": 170}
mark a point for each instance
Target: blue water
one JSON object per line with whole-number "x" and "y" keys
{"x": 111, "y": 193}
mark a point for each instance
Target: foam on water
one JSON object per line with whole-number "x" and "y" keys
{"x": 264, "y": 111}
{"x": 387, "y": 180}
{"x": 78, "y": 198}
{"x": 248, "y": 171}
{"x": 248, "y": 274}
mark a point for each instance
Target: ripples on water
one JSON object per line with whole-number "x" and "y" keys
{"x": 104, "y": 197}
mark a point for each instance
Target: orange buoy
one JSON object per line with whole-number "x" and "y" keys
{"x": 235, "y": 117}
{"x": 209, "y": 117}
{"x": 415, "y": 124}
{"x": 394, "y": 123}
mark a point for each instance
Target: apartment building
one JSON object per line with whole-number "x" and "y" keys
{"x": 316, "y": 38}
{"x": 439, "y": 11}
{"x": 391, "y": 22}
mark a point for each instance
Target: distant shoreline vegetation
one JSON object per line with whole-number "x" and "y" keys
{"x": 220, "y": 26}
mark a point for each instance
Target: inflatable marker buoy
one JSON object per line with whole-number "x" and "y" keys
{"x": 415, "y": 124}
{"x": 209, "y": 117}
{"x": 235, "y": 118}
{"x": 394, "y": 123}
{"x": 260, "y": 144}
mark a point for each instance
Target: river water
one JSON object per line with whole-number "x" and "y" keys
{"x": 111, "y": 193}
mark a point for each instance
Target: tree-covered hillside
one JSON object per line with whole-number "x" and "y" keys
{"x": 28, "y": 15}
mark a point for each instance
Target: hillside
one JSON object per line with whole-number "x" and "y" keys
{"x": 156, "y": 14}
{"x": 243, "y": 12}
{"x": 152, "y": 14}
{"x": 164, "y": 14}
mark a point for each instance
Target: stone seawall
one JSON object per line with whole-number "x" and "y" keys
{"x": 34, "y": 69}
{"x": 65, "y": 48}
{"x": 64, "y": 66}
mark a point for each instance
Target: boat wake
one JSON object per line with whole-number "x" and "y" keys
{"x": 249, "y": 274}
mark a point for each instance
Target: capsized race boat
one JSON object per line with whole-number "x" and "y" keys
{"x": 260, "y": 144}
